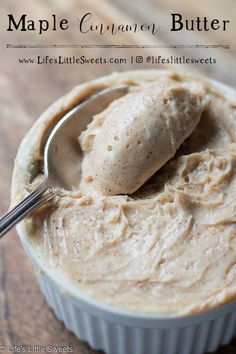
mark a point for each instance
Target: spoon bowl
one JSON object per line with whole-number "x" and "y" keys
{"x": 62, "y": 152}
{"x": 62, "y": 155}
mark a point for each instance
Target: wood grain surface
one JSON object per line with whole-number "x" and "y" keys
{"x": 28, "y": 89}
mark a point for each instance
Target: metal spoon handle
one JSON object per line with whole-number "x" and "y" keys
{"x": 32, "y": 202}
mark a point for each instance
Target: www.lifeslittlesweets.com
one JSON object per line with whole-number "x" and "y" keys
{"x": 133, "y": 59}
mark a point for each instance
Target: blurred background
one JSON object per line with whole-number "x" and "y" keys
{"x": 27, "y": 89}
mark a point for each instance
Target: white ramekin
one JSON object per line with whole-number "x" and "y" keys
{"x": 124, "y": 332}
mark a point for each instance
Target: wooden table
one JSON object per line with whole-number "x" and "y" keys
{"x": 27, "y": 89}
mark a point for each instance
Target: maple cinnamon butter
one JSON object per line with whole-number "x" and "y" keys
{"x": 152, "y": 227}
{"x": 129, "y": 141}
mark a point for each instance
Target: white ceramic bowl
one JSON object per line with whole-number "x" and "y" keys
{"x": 108, "y": 328}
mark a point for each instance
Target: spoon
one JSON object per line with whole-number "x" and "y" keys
{"x": 62, "y": 156}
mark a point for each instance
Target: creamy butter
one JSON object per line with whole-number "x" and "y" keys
{"x": 138, "y": 133}
{"x": 170, "y": 247}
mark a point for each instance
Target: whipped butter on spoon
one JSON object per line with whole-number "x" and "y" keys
{"x": 138, "y": 133}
